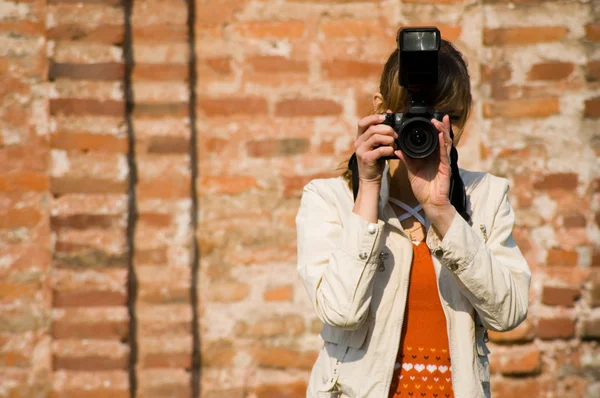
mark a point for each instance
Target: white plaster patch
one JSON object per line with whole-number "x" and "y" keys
{"x": 60, "y": 164}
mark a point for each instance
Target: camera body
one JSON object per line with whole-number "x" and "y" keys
{"x": 418, "y": 58}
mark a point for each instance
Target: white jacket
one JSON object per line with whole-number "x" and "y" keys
{"x": 359, "y": 292}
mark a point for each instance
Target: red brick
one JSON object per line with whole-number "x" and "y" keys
{"x": 154, "y": 256}
{"x": 343, "y": 69}
{"x": 276, "y": 64}
{"x": 522, "y": 108}
{"x": 351, "y": 28}
{"x": 103, "y": 2}
{"x": 566, "y": 181}
{"x": 592, "y": 107}
{"x": 293, "y": 185}
{"x": 523, "y": 35}
{"x": 282, "y": 390}
{"x": 592, "y": 31}
{"x": 226, "y": 184}
{"x": 551, "y": 71}
{"x": 218, "y": 353}
{"x": 157, "y": 33}
{"x": 160, "y": 72}
{"x": 89, "y": 142}
{"x": 277, "y": 325}
{"x": 30, "y": 157}
{"x": 102, "y": 72}
{"x": 563, "y": 296}
{"x": 593, "y": 71}
{"x": 220, "y": 65}
{"x": 161, "y": 110}
{"x": 230, "y": 106}
{"x": 530, "y": 387}
{"x": 105, "y": 34}
{"x": 591, "y": 328}
{"x": 63, "y": 186}
{"x": 283, "y": 293}
{"x": 106, "y": 329}
{"x": 516, "y": 360}
{"x": 282, "y": 357}
{"x": 23, "y": 28}
{"x": 81, "y": 107}
{"x": 595, "y": 292}
{"x": 26, "y": 217}
{"x": 495, "y": 73}
{"x": 268, "y": 29}
{"x": 68, "y": 299}
{"x": 19, "y": 291}
{"x": 90, "y": 363}
{"x": 168, "y": 145}
{"x": 24, "y": 182}
{"x": 308, "y": 107}
{"x": 555, "y": 328}
{"x": 226, "y": 292}
{"x": 574, "y": 220}
{"x": 282, "y": 147}
{"x": 560, "y": 257}
{"x": 523, "y": 333}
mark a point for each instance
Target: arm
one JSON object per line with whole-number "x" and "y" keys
{"x": 336, "y": 261}
{"x": 493, "y": 275}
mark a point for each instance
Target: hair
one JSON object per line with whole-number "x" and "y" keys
{"x": 451, "y": 95}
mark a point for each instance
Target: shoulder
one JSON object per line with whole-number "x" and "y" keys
{"x": 484, "y": 189}
{"x": 330, "y": 189}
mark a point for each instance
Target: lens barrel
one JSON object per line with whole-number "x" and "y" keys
{"x": 418, "y": 138}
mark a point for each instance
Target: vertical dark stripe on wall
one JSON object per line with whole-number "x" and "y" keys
{"x": 195, "y": 260}
{"x": 132, "y": 213}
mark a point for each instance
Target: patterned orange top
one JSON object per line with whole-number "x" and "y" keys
{"x": 423, "y": 363}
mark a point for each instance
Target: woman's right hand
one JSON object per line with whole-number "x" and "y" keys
{"x": 374, "y": 141}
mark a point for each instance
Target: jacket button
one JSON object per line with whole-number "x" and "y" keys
{"x": 438, "y": 251}
{"x": 363, "y": 255}
{"x": 371, "y": 229}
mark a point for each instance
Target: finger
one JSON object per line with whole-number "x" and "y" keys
{"x": 444, "y": 150}
{"x": 379, "y": 140}
{"x": 408, "y": 161}
{"x": 444, "y": 127}
{"x": 367, "y": 122}
{"x": 382, "y": 129}
{"x": 380, "y": 152}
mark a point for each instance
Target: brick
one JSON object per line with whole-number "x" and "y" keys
{"x": 282, "y": 357}
{"x": 574, "y": 220}
{"x": 161, "y": 110}
{"x": 104, "y": 34}
{"x": 272, "y": 148}
{"x": 165, "y": 352}
{"x": 522, "y": 108}
{"x": 96, "y": 384}
{"x": 226, "y": 184}
{"x": 155, "y": 256}
{"x": 168, "y": 145}
{"x": 31, "y": 157}
{"x": 160, "y": 33}
{"x": 592, "y": 107}
{"x": 85, "y": 221}
{"x": 95, "y": 355}
{"x": 531, "y": 387}
{"x": 280, "y": 390}
{"x": 523, "y": 35}
{"x": 99, "y": 323}
{"x": 351, "y": 28}
{"x": 561, "y": 257}
{"x": 89, "y": 142}
{"x": 24, "y": 182}
{"x": 89, "y": 185}
{"x": 90, "y": 298}
{"x": 517, "y": 360}
{"x": 344, "y": 69}
{"x": 266, "y": 29}
{"x": 555, "y": 328}
{"x": 525, "y": 332}
{"x": 109, "y": 71}
{"x": 307, "y": 108}
{"x": 175, "y": 187}
{"x": 594, "y": 298}
{"x": 293, "y": 185}
{"x": 226, "y": 292}
{"x": 592, "y": 31}
{"x": 551, "y": 71}
{"x": 563, "y": 296}
{"x": 222, "y": 65}
{"x": 232, "y": 106}
{"x": 272, "y": 64}
{"x": 279, "y": 325}
{"x": 495, "y": 73}
{"x": 592, "y": 73}
{"x": 218, "y": 353}
{"x": 23, "y": 28}
{"x": 160, "y": 72}
{"x": 591, "y": 328}
{"x": 25, "y": 217}
{"x": 283, "y": 293}
{"x": 81, "y": 107}
{"x": 566, "y": 181}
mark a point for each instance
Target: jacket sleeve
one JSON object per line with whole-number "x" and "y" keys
{"x": 336, "y": 259}
{"x": 493, "y": 275}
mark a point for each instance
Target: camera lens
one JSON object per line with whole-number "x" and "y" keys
{"x": 418, "y": 138}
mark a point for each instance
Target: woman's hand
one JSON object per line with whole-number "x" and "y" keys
{"x": 430, "y": 177}
{"x": 374, "y": 142}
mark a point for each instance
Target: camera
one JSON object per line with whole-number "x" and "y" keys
{"x": 418, "y": 49}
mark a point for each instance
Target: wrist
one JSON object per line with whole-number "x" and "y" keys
{"x": 441, "y": 217}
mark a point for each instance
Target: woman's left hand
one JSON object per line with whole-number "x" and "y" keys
{"x": 430, "y": 177}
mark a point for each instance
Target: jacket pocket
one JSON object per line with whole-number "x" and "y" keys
{"x": 348, "y": 338}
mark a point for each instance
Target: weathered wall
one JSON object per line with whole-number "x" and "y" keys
{"x": 99, "y": 291}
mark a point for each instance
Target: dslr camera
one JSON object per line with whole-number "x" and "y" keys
{"x": 418, "y": 49}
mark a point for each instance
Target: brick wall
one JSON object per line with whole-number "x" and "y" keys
{"x": 147, "y": 228}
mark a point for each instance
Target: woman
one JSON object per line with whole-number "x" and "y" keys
{"x": 406, "y": 280}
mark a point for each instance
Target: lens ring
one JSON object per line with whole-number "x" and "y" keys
{"x": 418, "y": 138}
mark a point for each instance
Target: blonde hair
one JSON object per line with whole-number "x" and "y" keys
{"x": 451, "y": 95}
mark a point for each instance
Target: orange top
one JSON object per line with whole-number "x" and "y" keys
{"x": 423, "y": 363}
